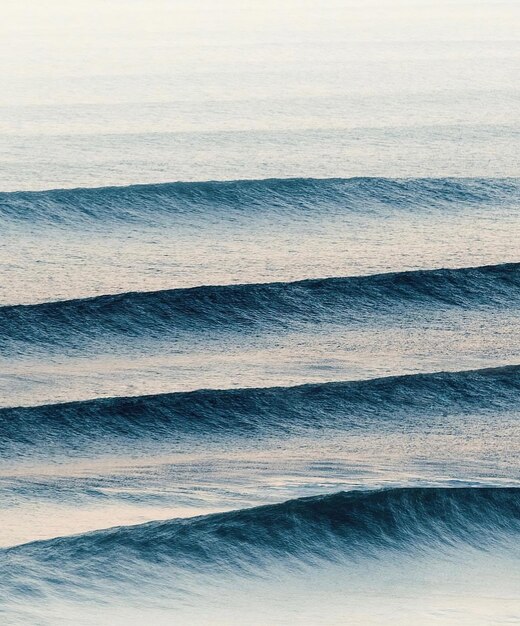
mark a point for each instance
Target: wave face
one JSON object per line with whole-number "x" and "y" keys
{"x": 333, "y": 527}
{"x": 60, "y": 245}
{"x": 278, "y": 305}
{"x": 192, "y": 350}
{"x": 286, "y": 390}
{"x": 142, "y": 203}
{"x": 386, "y": 404}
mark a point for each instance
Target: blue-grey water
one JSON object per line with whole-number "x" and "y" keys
{"x": 259, "y": 312}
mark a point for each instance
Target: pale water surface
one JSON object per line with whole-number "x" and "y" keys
{"x": 166, "y": 359}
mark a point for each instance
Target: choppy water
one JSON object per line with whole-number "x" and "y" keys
{"x": 287, "y": 389}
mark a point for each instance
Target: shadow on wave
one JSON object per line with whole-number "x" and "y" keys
{"x": 381, "y": 403}
{"x": 346, "y": 525}
{"x": 146, "y": 203}
{"x": 244, "y": 307}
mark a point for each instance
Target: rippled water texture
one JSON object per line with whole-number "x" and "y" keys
{"x": 259, "y": 313}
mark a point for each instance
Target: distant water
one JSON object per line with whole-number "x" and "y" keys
{"x": 109, "y": 93}
{"x": 260, "y": 313}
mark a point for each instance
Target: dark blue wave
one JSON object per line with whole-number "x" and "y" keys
{"x": 384, "y": 403}
{"x": 252, "y": 306}
{"x": 138, "y": 203}
{"x": 333, "y": 527}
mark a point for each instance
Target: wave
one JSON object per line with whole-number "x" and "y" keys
{"x": 146, "y": 203}
{"x": 383, "y": 403}
{"x": 342, "y": 526}
{"x": 251, "y": 306}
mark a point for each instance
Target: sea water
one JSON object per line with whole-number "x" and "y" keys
{"x": 259, "y": 312}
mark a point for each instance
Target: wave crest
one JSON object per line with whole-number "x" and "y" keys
{"x": 249, "y": 306}
{"x": 381, "y": 403}
{"x": 138, "y": 203}
{"x": 339, "y": 526}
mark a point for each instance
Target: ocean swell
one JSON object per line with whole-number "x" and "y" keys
{"x": 149, "y": 203}
{"x": 384, "y": 403}
{"x": 342, "y": 526}
{"x": 279, "y": 306}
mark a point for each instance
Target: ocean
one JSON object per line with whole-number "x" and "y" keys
{"x": 259, "y": 313}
